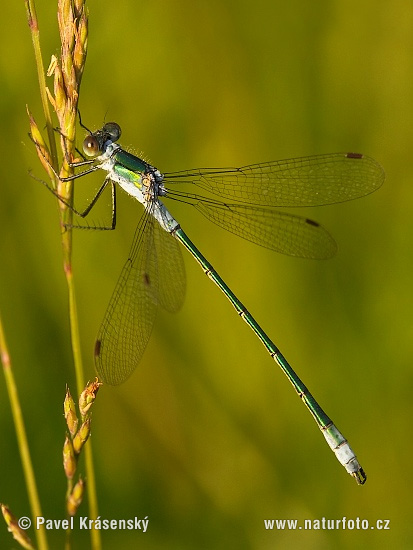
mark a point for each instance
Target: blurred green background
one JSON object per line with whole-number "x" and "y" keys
{"x": 208, "y": 439}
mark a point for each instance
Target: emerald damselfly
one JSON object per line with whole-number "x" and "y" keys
{"x": 154, "y": 272}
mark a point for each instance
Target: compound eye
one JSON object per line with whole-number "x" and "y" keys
{"x": 91, "y": 146}
{"x": 113, "y": 131}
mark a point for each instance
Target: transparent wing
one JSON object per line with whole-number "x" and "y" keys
{"x": 306, "y": 181}
{"x": 143, "y": 284}
{"x": 279, "y": 231}
{"x": 128, "y": 321}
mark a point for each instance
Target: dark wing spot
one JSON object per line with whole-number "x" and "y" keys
{"x": 312, "y": 222}
{"x": 146, "y": 279}
{"x": 354, "y": 156}
{"x": 97, "y": 347}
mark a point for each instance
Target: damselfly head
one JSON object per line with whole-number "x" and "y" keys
{"x": 94, "y": 143}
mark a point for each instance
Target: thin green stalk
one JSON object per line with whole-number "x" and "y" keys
{"x": 67, "y": 70}
{"x": 74, "y": 328}
{"x": 22, "y": 439}
{"x": 90, "y": 471}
